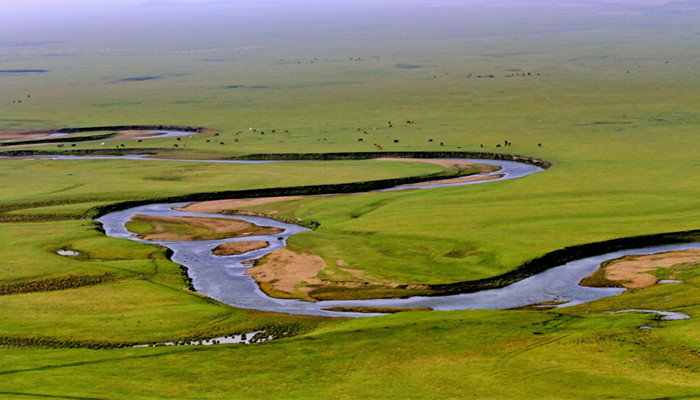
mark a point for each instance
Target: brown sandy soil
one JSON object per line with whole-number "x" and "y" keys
{"x": 236, "y": 248}
{"x": 197, "y": 228}
{"x": 631, "y": 270}
{"x": 464, "y": 179}
{"x": 284, "y": 269}
{"x": 287, "y": 274}
{"x": 436, "y": 161}
{"x": 217, "y": 206}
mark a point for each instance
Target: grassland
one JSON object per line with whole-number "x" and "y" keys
{"x": 624, "y": 151}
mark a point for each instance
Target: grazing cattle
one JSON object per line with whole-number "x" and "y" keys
{"x": 178, "y": 139}
{"x": 539, "y": 144}
{"x": 208, "y": 140}
{"x": 262, "y": 133}
{"x": 396, "y": 140}
{"x": 273, "y": 131}
{"x": 175, "y": 145}
{"x": 123, "y": 145}
{"x": 216, "y": 134}
{"x": 358, "y": 128}
{"x": 140, "y": 140}
{"x": 442, "y": 144}
{"x": 60, "y": 145}
{"x": 236, "y": 140}
{"x": 359, "y": 140}
{"x": 365, "y": 132}
{"x": 482, "y": 146}
{"x": 430, "y": 140}
{"x": 391, "y": 126}
{"x": 102, "y": 144}
{"x": 286, "y": 131}
{"x": 221, "y": 142}
{"x": 73, "y": 145}
{"x": 498, "y": 145}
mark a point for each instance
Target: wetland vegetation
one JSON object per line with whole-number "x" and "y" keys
{"x": 604, "y": 90}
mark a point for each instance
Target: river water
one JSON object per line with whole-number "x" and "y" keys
{"x": 222, "y": 277}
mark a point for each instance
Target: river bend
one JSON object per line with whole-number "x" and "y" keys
{"x": 222, "y": 277}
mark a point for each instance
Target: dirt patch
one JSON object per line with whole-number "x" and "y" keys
{"x": 194, "y": 228}
{"x": 632, "y": 271}
{"x": 283, "y": 270}
{"x": 436, "y": 161}
{"x": 341, "y": 262}
{"x": 287, "y": 274}
{"x": 236, "y": 248}
{"x": 217, "y": 206}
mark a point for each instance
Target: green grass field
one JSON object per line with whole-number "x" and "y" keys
{"x": 612, "y": 97}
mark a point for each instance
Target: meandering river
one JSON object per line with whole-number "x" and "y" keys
{"x": 223, "y": 278}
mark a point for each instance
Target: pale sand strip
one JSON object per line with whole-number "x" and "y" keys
{"x": 236, "y": 248}
{"x": 634, "y": 268}
{"x": 217, "y": 206}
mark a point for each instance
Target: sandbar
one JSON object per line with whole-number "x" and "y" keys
{"x": 632, "y": 271}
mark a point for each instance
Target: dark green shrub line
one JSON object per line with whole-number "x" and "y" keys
{"x": 52, "y": 343}
{"x": 61, "y": 139}
{"x": 336, "y": 188}
{"x": 399, "y": 154}
{"x": 80, "y": 152}
{"x": 263, "y": 333}
{"x": 562, "y": 256}
{"x": 58, "y": 202}
{"x": 39, "y": 217}
{"x": 182, "y": 128}
{"x": 57, "y": 283}
{"x": 184, "y": 271}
